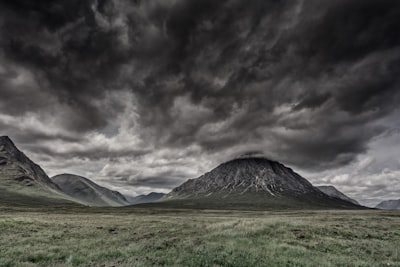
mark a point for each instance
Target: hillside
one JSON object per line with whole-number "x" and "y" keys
{"x": 88, "y": 192}
{"x": 333, "y": 192}
{"x": 22, "y": 182}
{"x": 389, "y": 205}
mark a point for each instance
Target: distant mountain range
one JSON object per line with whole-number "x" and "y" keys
{"x": 245, "y": 183}
{"x": 152, "y": 197}
{"x": 88, "y": 192}
{"x": 389, "y": 205}
{"x": 253, "y": 183}
{"x": 333, "y": 192}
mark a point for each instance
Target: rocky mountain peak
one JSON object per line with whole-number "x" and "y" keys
{"x": 15, "y": 163}
{"x": 252, "y": 174}
{"x": 6, "y": 145}
{"x": 5, "y": 139}
{"x": 10, "y": 153}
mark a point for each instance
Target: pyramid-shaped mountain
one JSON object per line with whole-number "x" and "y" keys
{"x": 254, "y": 183}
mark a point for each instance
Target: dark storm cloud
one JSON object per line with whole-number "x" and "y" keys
{"x": 95, "y": 153}
{"x": 61, "y": 44}
{"x": 308, "y": 81}
{"x": 349, "y": 30}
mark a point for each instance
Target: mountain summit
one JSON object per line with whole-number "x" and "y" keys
{"x": 254, "y": 182}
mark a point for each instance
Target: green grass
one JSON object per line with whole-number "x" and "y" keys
{"x": 15, "y": 192}
{"x": 252, "y": 201}
{"x": 161, "y": 237}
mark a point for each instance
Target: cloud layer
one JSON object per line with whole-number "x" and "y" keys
{"x": 148, "y": 93}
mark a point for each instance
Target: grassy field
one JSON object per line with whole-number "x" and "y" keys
{"x": 161, "y": 237}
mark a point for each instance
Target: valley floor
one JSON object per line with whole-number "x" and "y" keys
{"x": 140, "y": 237}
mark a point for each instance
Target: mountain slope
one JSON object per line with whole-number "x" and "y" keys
{"x": 389, "y": 205}
{"x": 22, "y": 182}
{"x": 88, "y": 192}
{"x": 256, "y": 183}
{"x": 333, "y": 192}
{"x": 152, "y": 197}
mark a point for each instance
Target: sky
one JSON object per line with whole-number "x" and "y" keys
{"x": 141, "y": 95}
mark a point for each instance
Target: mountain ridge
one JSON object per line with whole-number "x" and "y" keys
{"x": 88, "y": 192}
{"x": 332, "y": 191}
{"x": 392, "y": 204}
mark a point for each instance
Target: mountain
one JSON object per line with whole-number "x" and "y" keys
{"x": 252, "y": 183}
{"x": 389, "y": 205}
{"x": 22, "y": 182}
{"x": 152, "y": 197}
{"x": 88, "y": 192}
{"x": 333, "y": 192}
